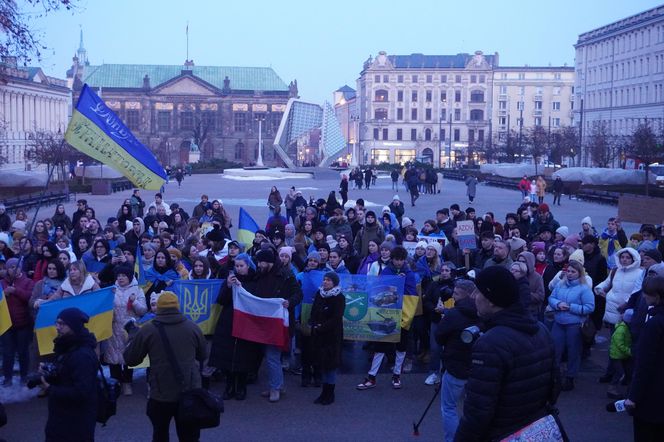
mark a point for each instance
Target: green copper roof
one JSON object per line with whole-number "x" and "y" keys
{"x": 131, "y": 76}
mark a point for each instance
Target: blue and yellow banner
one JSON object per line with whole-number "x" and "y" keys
{"x": 96, "y": 130}
{"x": 198, "y": 301}
{"x": 98, "y": 305}
{"x": 374, "y": 305}
{"x": 5, "y": 319}
{"x": 246, "y": 229}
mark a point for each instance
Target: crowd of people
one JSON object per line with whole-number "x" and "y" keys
{"x": 539, "y": 291}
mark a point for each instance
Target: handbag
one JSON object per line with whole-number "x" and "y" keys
{"x": 197, "y": 407}
{"x": 108, "y": 391}
{"x": 588, "y": 331}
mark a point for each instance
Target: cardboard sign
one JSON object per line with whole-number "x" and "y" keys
{"x": 466, "y": 235}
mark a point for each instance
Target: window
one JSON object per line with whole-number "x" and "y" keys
{"x": 502, "y": 105}
{"x": 522, "y": 76}
{"x": 163, "y": 121}
{"x": 386, "y": 78}
{"x": 480, "y": 135}
{"x": 503, "y": 89}
{"x": 413, "y": 114}
{"x": 399, "y": 113}
{"x": 482, "y": 78}
{"x": 385, "y": 134}
{"x": 208, "y": 120}
{"x": 413, "y": 96}
{"x": 538, "y": 121}
{"x": 443, "y": 116}
{"x": 427, "y": 134}
{"x": 457, "y": 114}
{"x": 555, "y": 105}
{"x": 399, "y": 78}
{"x": 457, "y": 78}
{"x": 428, "y": 96}
{"x": 457, "y": 134}
{"x": 476, "y": 115}
{"x": 132, "y": 119}
{"x": 443, "y": 96}
{"x": 522, "y": 90}
{"x": 473, "y": 78}
{"x": 429, "y": 78}
{"x": 380, "y": 95}
{"x": 399, "y": 134}
{"x": 519, "y": 105}
{"x": 471, "y": 135}
{"x": 239, "y": 121}
{"x": 477, "y": 97}
{"x": 442, "y": 134}
{"x": 380, "y": 114}
{"x": 443, "y": 78}
{"x": 399, "y": 95}
{"x": 457, "y": 96}
{"x": 275, "y": 118}
{"x": 413, "y": 134}
{"x": 427, "y": 114}
{"x": 538, "y": 105}
{"x": 502, "y": 121}
{"x": 239, "y": 148}
{"x": 377, "y": 78}
{"x": 376, "y": 132}
{"x": 555, "y": 122}
{"x": 413, "y": 79}
{"x": 186, "y": 120}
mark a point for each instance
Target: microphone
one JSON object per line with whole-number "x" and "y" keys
{"x": 616, "y": 407}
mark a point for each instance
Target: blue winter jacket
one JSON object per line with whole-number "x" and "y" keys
{"x": 580, "y": 299}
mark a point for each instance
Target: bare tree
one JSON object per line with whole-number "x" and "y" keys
{"x": 52, "y": 151}
{"x": 566, "y": 141}
{"x": 537, "y": 143}
{"x": 601, "y": 146}
{"x": 645, "y": 146}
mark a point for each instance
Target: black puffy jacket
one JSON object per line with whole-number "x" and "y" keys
{"x": 456, "y": 354}
{"x": 511, "y": 376}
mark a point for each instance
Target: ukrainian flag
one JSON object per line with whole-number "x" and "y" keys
{"x": 138, "y": 267}
{"x": 5, "y": 319}
{"x": 95, "y": 130}
{"x": 246, "y": 230}
{"x": 198, "y": 301}
{"x": 98, "y": 305}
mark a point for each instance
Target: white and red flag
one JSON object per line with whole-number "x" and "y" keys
{"x": 262, "y": 320}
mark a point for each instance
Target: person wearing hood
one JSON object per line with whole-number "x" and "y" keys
{"x": 512, "y": 364}
{"x": 390, "y": 227}
{"x": 397, "y": 209}
{"x": 327, "y": 332}
{"x": 133, "y": 237}
{"x": 335, "y": 262}
{"x": 371, "y": 230}
{"x": 162, "y": 274}
{"x": 128, "y": 305}
{"x": 544, "y": 219}
{"x": 186, "y": 341}
{"x": 72, "y": 391}
{"x": 535, "y": 284}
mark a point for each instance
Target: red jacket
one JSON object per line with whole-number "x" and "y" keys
{"x": 17, "y": 302}
{"x": 524, "y": 185}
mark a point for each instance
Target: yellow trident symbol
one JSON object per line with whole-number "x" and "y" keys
{"x": 196, "y": 304}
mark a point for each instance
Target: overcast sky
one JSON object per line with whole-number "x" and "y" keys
{"x": 322, "y": 44}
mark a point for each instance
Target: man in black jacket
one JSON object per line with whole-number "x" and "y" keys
{"x": 456, "y": 353}
{"x": 513, "y": 366}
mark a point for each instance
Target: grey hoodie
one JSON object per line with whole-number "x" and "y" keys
{"x": 536, "y": 283}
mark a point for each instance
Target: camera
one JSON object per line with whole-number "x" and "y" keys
{"x": 48, "y": 372}
{"x": 470, "y": 334}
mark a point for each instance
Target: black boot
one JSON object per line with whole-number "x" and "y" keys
{"x": 229, "y": 392}
{"x": 323, "y": 395}
{"x": 329, "y": 397}
{"x": 240, "y": 386}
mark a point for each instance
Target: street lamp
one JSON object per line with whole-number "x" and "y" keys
{"x": 353, "y": 141}
{"x": 448, "y": 154}
{"x": 260, "y": 118}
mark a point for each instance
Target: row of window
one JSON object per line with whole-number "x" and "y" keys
{"x": 383, "y": 134}
{"x": 520, "y": 105}
{"x": 381, "y": 95}
{"x": 539, "y": 90}
{"x": 167, "y": 121}
{"x": 625, "y": 126}
{"x": 537, "y": 121}
{"x": 627, "y": 69}
{"x": 628, "y": 42}
{"x": 382, "y": 114}
{"x": 626, "y": 96}
{"x": 429, "y": 78}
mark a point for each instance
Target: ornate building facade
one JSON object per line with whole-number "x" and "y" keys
{"x": 176, "y": 109}
{"x": 30, "y": 102}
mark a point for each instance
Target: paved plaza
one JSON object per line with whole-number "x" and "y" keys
{"x": 380, "y": 414}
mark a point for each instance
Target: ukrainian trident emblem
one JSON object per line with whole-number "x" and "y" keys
{"x": 196, "y": 303}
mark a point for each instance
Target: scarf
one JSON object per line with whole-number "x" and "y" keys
{"x": 49, "y": 286}
{"x": 612, "y": 238}
{"x": 153, "y": 275}
{"x": 334, "y": 291}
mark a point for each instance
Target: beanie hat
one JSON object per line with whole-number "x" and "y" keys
{"x": 572, "y": 240}
{"x": 215, "y": 234}
{"x": 286, "y": 251}
{"x": 563, "y": 231}
{"x": 543, "y": 208}
{"x": 18, "y": 225}
{"x": 396, "y": 198}
{"x": 436, "y": 245}
{"x": 325, "y": 246}
{"x": 646, "y": 245}
{"x": 370, "y": 213}
{"x": 587, "y": 220}
{"x": 498, "y": 285}
{"x": 387, "y": 245}
{"x": 657, "y": 269}
{"x": 11, "y": 262}
{"x": 538, "y": 246}
{"x": 5, "y": 238}
{"x": 405, "y": 222}
{"x": 261, "y": 232}
{"x": 627, "y": 315}
{"x": 167, "y": 300}
{"x": 422, "y": 244}
{"x": 654, "y": 254}
{"x": 577, "y": 256}
{"x": 124, "y": 270}
{"x": 314, "y": 255}
{"x": 265, "y": 256}
{"x": 332, "y": 277}
{"x": 74, "y": 318}
{"x": 516, "y": 243}
{"x": 386, "y": 209}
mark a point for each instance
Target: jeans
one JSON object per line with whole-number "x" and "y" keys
{"x": 451, "y": 397}
{"x": 16, "y": 340}
{"x": 160, "y": 414}
{"x": 275, "y": 374}
{"x": 330, "y": 377}
{"x": 568, "y": 336}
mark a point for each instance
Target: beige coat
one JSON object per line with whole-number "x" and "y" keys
{"x": 122, "y": 313}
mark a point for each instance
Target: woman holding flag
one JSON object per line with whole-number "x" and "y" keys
{"x": 162, "y": 274}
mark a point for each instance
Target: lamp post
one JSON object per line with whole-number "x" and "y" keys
{"x": 353, "y": 141}
{"x": 259, "y": 160}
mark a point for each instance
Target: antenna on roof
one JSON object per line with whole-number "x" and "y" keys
{"x": 187, "y": 33}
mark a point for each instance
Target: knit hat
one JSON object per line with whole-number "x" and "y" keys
{"x": 544, "y": 207}
{"x": 405, "y": 222}
{"x": 313, "y": 255}
{"x": 516, "y": 243}
{"x": 386, "y": 209}
{"x": 537, "y": 246}
{"x": 646, "y": 245}
{"x": 422, "y": 244}
{"x": 215, "y": 234}
{"x": 370, "y": 213}
{"x": 11, "y": 262}
{"x": 577, "y": 256}
{"x": 286, "y": 251}
{"x": 387, "y": 245}
{"x": 325, "y": 246}
{"x": 265, "y": 256}
{"x": 498, "y": 285}
{"x": 657, "y": 269}
{"x": 167, "y": 300}
{"x": 396, "y": 198}
{"x": 563, "y": 231}
{"x": 572, "y": 240}
{"x": 587, "y": 220}
{"x": 124, "y": 270}
{"x": 74, "y": 318}
{"x": 5, "y": 238}
{"x": 18, "y": 225}
{"x": 436, "y": 245}
{"x": 627, "y": 315}
{"x": 261, "y": 232}
{"x": 654, "y": 254}
{"x": 332, "y": 277}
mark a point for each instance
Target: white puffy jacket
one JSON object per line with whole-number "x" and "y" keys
{"x": 626, "y": 281}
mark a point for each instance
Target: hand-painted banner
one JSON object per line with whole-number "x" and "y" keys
{"x": 373, "y": 305}
{"x": 198, "y": 301}
{"x": 96, "y": 130}
{"x": 466, "y": 235}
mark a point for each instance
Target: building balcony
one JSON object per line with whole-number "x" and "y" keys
{"x": 502, "y": 96}
{"x": 537, "y": 112}
{"x": 477, "y": 123}
{"x": 538, "y": 97}
{"x": 502, "y": 113}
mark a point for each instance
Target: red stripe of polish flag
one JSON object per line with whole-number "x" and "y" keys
{"x": 262, "y": 320}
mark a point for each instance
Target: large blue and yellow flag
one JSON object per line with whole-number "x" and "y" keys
{"x": 246, "y": 228}
{"x": 198, "y": 301}
{"x": 138, "y": 267}
{"x": 95, "y": 130}
{"x": 5, "y": 319}
{"x": 98, "y": 305}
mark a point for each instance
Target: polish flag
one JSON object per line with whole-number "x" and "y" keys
{"x": 262, "y": 320}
